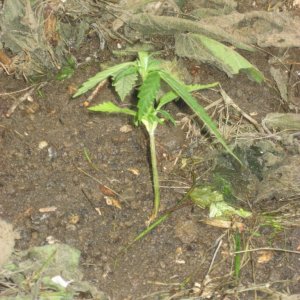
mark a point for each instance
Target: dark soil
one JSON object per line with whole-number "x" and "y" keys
{"x": 181, "y": 249}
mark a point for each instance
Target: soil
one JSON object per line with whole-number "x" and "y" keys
{"x": 43, "y": 164}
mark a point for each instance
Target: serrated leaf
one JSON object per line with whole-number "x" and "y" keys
{"x": 170, "y": 96}
{"x": 147, "y": 94}
{"x": 93, "y": 81}
{"x": 147, "y": 64}
{"x": 110, "y": 107}
{"x": 181, "y": 90}
{"x": 205, "y": 49}
{"x": 124, "y": 82}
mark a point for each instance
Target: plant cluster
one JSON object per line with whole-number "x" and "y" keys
{"x": 146, "y": 74}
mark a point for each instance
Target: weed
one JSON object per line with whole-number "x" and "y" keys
{"x": 145, "y": 74}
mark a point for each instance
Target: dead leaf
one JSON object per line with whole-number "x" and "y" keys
{"x": 72, "y": 88}
{"x": 48, "y": 209}
{"x": 97, "y": 209}
{"x": 86, "y": 104}
{"x": 225, "y": 224}
{"x": 264, "y": 257}
{"x": 50, "y": 25}
{"x": 106, "y": 191}
{"x": 4, "y": 59}
{"x": 134, "y": 171}
{"x": 113, "y": 202}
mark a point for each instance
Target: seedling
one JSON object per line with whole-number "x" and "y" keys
{"x": 145, "y": 74}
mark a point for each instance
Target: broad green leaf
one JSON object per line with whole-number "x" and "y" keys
{"x": 170, "y": 96}
{"x": 181, "y": 90}
{"x": 147, "y": 94}
{"x": 93, "y": 81}
{"x": 110, "y": 107}
{"x": 205, "y": 49}
{"x": 124, "y": 81}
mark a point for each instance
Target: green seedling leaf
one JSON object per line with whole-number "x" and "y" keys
{"x": 206, "y": 197}
{"x": 93, "y": 81}
{"x": 110, "y": 107}
{"x": 170, "y": 96}
{"x": 147, "y": 94}
{"x": 65, "y": 73}
{"x": 181, "y": 90}
{"x": 203, "y": 48}
{"x": 220, "y": 209}
{"x": 147, "y": 64}
{"x": 124, "y": 81}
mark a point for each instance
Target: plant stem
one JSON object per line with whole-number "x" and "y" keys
{"x": 151, "y": 131}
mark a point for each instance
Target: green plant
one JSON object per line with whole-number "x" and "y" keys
{"x": 146, "y": 74}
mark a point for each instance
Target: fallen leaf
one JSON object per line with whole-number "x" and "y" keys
{"x": 225, "y": 224}
{"x": 72, "y": 88}
{"x": 48, "y": 209}
{"x": 113, "y": 202}
{"x": 264, "y": 257}
{"x": 86, "y": 104}
{"x": 134, "y": 171}
{"x": 97, "y": 209}
{"x": 106, "y": 190}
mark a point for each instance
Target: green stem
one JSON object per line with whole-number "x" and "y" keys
{"x": 151, "y": 131}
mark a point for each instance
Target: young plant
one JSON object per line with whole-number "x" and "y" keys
{"x": 146, "y": 74}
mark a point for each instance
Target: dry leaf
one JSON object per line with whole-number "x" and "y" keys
{"x": 4, "y": 59}
{"x": 97, "y": 209}
{"x": 72, "y": 88}
{"x": 225, "y": 224}
{"x": 86, "y": 104}
{"x": 264, "y": 256}
{"x": 113, "y": 202}
{"x": 134, "y": 171}
{"x": 48, "y": 209}
{"x": 106, "y": 190}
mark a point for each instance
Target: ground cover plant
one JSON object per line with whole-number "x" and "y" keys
{"x": 145, "y": 74}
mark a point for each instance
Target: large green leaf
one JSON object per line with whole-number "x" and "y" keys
{"x": 170, "y": 96}
{"x": 147, "y": 94}
{"x": 110, "y": 107}
{"x": 205, "y": 49}
{"x": 124, "y": 81}
{"x": 93, "y": 81}
{"x": 181, "y": 90}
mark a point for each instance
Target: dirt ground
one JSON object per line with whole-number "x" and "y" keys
{"x": 42, "y": 164}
